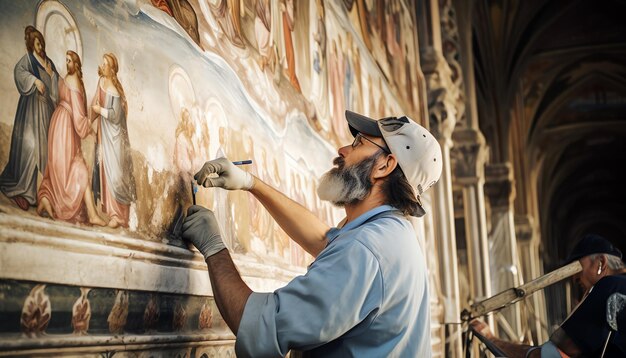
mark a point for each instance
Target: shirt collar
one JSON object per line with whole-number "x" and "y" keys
{"x": 334, "y": 232}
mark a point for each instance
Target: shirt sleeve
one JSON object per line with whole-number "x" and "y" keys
{"x": 548, "y": 350}
{"x": 342, "y": 288}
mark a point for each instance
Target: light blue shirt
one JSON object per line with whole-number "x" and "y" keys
{"x": 365, "y": 295}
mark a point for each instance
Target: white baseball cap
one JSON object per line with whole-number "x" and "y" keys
{"x": 416, "y": 149}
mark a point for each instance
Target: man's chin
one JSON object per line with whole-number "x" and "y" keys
{"x": 330, "y": 188}
{"x": 335, "y": 203}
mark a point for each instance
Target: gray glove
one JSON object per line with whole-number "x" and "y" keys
{"x": 228, "y": 175}
{"x": 201, "y": 228}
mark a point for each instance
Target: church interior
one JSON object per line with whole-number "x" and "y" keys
{"x": 527, "y": 100}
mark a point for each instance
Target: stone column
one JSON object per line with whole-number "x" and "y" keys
{"x": 503, "y": 245}
{"x": 470, "y": 154}
{"x": 444, "y": 104}
{"x": 531, "y": 264}
{"x": 442, "y": 114}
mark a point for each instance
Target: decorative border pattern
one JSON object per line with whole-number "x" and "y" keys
{"x": 68, "y": 290}
{"x": 38, "y": 316}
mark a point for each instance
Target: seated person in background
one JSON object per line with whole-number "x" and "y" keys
{"x": 585, "y": 331}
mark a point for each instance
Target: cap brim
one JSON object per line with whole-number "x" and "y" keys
{"x": 361, "y": 124}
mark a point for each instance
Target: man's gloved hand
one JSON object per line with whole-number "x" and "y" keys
{"x": 229, "y": 176}
{"x": 201, "y": 228}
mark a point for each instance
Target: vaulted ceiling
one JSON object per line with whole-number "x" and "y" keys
{"x": 553, "y": 75}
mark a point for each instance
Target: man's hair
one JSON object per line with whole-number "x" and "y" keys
{"x": 612, "y": 261}
{"x": 30, "y": 34}
{"x": 400, "y": 193}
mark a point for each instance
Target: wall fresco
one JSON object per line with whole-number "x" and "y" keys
{"x": 107, "y": 110}
{"x": 111, "y": 106}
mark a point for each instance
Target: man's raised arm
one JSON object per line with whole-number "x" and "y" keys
{"x": 302, "y": 226}
{"x": 306, "y": 229}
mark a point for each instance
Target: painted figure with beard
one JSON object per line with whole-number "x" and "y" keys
{"x": 36, "y": 79}
{"x": 367, "y": 271}
{"x": 65, "y": 185}
{"x": 113, "y": 181}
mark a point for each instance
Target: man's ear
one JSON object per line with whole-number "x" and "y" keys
{"x": 384, "y": 166}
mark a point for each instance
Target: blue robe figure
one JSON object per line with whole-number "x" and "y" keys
{"x": 29, "y": 140}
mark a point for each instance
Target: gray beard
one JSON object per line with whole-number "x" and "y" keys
{"x": 347, "y": 185}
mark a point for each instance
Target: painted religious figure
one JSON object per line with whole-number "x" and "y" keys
{"x": 113, "y": 181}
{"x": 228, "y": 15}
{"x": 262, "y": 32}
{"x": 336, "y": 74}
{"x": 183, "y": 12}
{"x": 319, "y": 74}
{"x": 36, "y": 79}
{"x": 348, "y": 73}
{"x": 64, "y": 192}
{"x": 393, "y": 42}
{"x": 287, "y": 9}
{"x": 184, "y": 152}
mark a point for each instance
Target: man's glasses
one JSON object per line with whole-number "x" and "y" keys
{"x": 358, "y": 140}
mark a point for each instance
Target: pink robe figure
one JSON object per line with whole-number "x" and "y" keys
{"x": 65, "y": 178}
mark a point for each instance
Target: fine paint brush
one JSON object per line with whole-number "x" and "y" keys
{"x": 243, "y": 162}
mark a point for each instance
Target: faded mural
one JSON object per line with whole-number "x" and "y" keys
{"x": 109, "y": 107}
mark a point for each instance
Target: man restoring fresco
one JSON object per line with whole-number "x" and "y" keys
{"x": 367, "y": 272}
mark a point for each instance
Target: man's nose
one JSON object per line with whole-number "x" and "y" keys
{"x": 343, "y": 151}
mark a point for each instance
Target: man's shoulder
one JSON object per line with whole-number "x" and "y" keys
{"x": 389, "y": 232}
{"x": 604, "y": 288}
{"x": 387, "y": 222}
{"x": 615, "y": 283}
